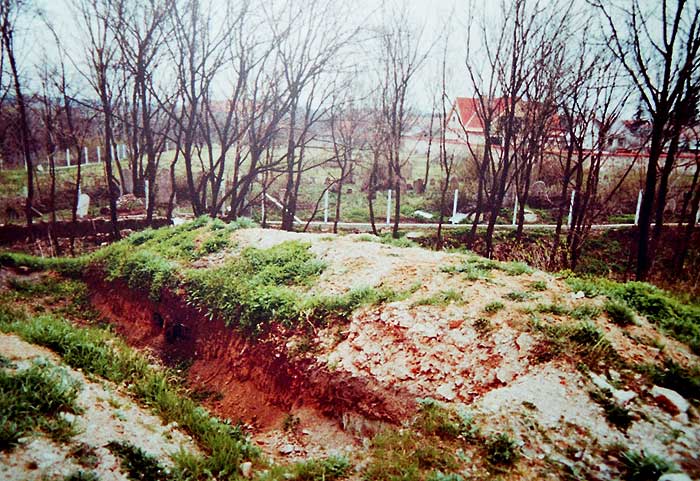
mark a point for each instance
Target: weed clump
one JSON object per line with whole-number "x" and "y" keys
{"x": 33, "y": 398}
{"x": 493, "y": 307}
{"x": 501, "y": 450}
{"x": 619, "y": 313}
{"x": 645, "y": 467}
{"x": 138, "y": 464}
{"x": 442, "y": 298}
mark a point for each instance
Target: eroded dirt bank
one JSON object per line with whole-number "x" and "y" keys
{"x": 258, "y": 382}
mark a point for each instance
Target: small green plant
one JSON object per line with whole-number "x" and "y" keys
{"x": 501, "y": 450}
{"x": 553, "y": 308}
{"x": 515, "y": 268}
{"x": 138, "y": 464}
{"x": 493, "y": 307}
{"x": 684, "y": 380}
{"x": 586, "y": 333}
{"x": 538, "y": 286}
{"x": 619, "y": 313}
{"x": 517, "y": 296}
{"x": 442, "y": 298}
{"x": 645, "y": 467}
{"x": 327, "y": 469}
{"x": 482, "y": 325}
{"x": 585, "y": 312}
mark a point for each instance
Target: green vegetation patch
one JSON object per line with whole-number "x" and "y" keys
{"x": 33, "y": 398}
{"x": 645, "y": 467}
{"x": 433, "y": 447}
{"x": 442, "y": 298}
{"x": 138, "y": 464}
{"x": 674, "y": 317}
{"x": 100, "y": 352}
{"x": 476, "y": 267}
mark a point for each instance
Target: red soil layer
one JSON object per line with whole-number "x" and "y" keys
{"x": 255, "y": 381}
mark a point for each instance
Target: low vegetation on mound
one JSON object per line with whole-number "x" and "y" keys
{"x": 32, "y": 399}
{"x": 584, "y": 323}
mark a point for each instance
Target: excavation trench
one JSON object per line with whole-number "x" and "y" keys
{"x": 257, "y": 382}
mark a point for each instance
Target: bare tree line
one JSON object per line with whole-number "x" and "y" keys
{"x": 241, "y": 93}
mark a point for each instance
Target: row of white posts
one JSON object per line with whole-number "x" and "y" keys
{"x": 119, "y": 153}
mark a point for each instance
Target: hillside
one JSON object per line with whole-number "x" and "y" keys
{"x": 408, "y": 363}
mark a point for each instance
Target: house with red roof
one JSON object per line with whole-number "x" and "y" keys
{"x": 465, "y": 122}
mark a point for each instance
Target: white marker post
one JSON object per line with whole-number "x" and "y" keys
{"x": 571, "y": 208}
{"x": 98, "y": 155}
{"x": 515, "y": 211}
{"x": 68, "y": 157}
{"x": 147, "y": 196}
{"x": 325, "y": 207}
{"x": 639, "y": 207}
{"x": 388, "y": 207}
{"x": 85, "y": 154}
{"x": 454, "y": 207}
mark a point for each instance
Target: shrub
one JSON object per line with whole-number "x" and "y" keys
{"x": 501, "y": 449}
{"x": 619, "y": 313}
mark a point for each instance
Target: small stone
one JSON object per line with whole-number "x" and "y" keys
{"x": 247, "y": 469}
{"x": 578, "y": 295}
{"x": 614, "y": 375}
{"x": 447, "y": 391}
{"x": 286, "y": 449}
{"x": 670, "y": 400}
{"x": 675, "y": 477}
{"x": 601, "y": 382}
{"x": 623, "y": 397}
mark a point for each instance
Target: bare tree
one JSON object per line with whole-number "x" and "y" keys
{"x": 10, "y": 12}
{"x": 658, "y": 47}
{"x": 401, "y": 57}
{"x": 101, "y": 58}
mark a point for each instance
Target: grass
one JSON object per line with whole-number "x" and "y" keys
{"x": 552, "y": 308}
{"x": 538, "y": 286}
{"x": 432, "y": 447}
{"x": 518, "y": 296}
{"x": 645, "y": 467}
{"x": 32, "y": 399}
{"x": 387, "y": 239}
{"x": 501, "y": 450}
{"x": 68, "y": 266}
{"x": 442, "y": 298}
{"x": 678, "y": 319}
{"x": 99, "y": 352}
{"x": 249, "y": 291}
{"x": 619, "y": 313}
{"x": 138, "y": 465}
{"x": 81, "y": 475}
{"x": 684, "y": 380}
{"x": 582, "y": 339}
{"x": 327, "y": 469}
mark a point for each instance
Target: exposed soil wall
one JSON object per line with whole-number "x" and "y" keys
{"x": 256, "y": 381}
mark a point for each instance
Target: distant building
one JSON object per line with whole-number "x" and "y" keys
{"x": 465, "y": 122}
